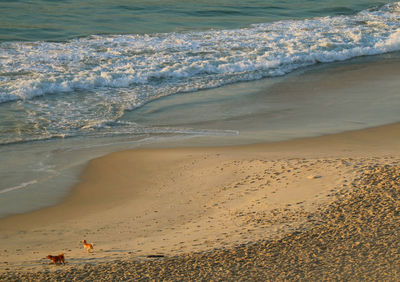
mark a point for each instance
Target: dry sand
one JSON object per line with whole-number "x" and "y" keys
{"x": 313, "y": 208}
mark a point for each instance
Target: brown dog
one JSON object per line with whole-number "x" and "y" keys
{"x": 87, "y": 246}
{"x": 57, "y": 259}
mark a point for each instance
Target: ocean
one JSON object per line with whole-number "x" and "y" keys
{"x": 79, "y": 79}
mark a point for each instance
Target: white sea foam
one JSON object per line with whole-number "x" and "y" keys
{"x": 17, "y": 187}
{"x": 209, "y": 58}
{"x": 102, "y": 76}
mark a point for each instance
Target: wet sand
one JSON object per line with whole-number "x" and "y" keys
{"x": 319, "y": 100}
{"x": 312, "y": 208}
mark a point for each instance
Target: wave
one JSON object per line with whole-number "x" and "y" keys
{"x": 178, "y": 62}
{"x": 84, "y": 87}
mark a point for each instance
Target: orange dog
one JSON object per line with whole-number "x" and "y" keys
{"x": 87, "y": 246}
{"x": 56, "y": 259}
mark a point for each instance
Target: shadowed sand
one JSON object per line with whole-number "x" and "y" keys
{"x": 223, "y": 212}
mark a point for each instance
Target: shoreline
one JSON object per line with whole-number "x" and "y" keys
{"x": 200, "y": 199}
{"x": 200, "y": 141}
{"x": 319, "y": 100}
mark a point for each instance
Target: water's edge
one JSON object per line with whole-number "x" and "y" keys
{"x": 39, "y": 174}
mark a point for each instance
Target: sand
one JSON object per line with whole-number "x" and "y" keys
{"x": 311, "y": 208}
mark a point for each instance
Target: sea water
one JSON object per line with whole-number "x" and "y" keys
{"x": 77, "y": 77}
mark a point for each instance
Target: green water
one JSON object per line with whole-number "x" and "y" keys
{"x": 61, "y": 20}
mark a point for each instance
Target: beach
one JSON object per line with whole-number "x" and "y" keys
{"x": 223, "y": 213}
{"x": 240, "y": 141}
{"x": 268, "y": 72}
